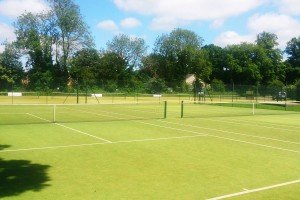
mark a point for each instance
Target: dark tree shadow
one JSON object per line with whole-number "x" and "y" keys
{"x": 18, "y": 176}
{"x": 3, "y": 146}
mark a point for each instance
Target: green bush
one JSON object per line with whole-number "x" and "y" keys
{"x": 156, "y": 85}
{"x": 274, "y": 87}
{"x": 217, "y": 86}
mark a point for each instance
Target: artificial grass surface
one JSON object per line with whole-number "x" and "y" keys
{"x": 152, "y": 159}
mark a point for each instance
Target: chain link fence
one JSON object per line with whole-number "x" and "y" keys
{"x": 210, "y": 93}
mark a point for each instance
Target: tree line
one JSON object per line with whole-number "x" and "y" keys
{"x": 54, "y": 51}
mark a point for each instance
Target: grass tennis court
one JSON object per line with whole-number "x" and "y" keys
{"x": 129, "y": 151}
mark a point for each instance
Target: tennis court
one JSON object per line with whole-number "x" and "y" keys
{"x": 148, "y": 151}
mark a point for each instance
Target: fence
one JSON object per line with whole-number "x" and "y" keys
{"x": 212, "y": 93}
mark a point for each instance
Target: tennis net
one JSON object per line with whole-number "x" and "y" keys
{"x": 236, "y": 109}
{"x": 31, "y": 114}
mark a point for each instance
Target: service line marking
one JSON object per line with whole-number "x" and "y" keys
{"x": 231, "y": 132}
{"x": 78, "y": 131}
{"x": 103, "y": 143}
{"x": 209, "y": 135}
{"x": 201, "y": 134}
{"x": 136, "y": 121}
{"x": 253, "y": 143}
{"x": 251, "y": 124}
{"x": 255, "y": 190}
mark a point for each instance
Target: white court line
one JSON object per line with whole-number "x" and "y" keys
{"x": 83, "y": 133}
{"x": 235, "y": 133}
{"x": 78, "y": 131}
{"x": 231, "y": 122}
{"x": 167, "y": 127}
{"x": 253, "y": 143}
{"x": 255, "y": 190}
{"x": 224, "y": 138}
{"x": 176, "y": 129}
{"x": 103, "y": 143}
{"x": 266, "y": 122}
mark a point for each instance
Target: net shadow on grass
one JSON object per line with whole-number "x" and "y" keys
{"x": 18, "y": 176}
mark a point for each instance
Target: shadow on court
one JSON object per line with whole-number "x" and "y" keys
{"x": 3, "y": 146}
{"x": 18, "y": 176}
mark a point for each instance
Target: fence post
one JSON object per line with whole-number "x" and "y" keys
{"x": 165, "y": 110}
{"x": 54, "y": 113}
{"x": 181, "y": 114}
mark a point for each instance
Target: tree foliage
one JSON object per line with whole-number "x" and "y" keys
{"x": 132, "y": 50}
{"x": 50, "y": 39}
{"x": 272, "y": 66}
{"x": 59, "y": 52}
{"x": 178, "y": 54}
{"x": 11, "y": 71}
{"x": 293, "y": 60}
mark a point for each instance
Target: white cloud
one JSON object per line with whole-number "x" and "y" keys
{"x": 2, "y": 47}
{"x": 108, "y": 25}
{"x": 176, "y": 11}
{"x": 166, "y": 23}
{"x": 14, "y": 8}
{"x": 290, "y": 7}
{"x": 130, "y": 22}
{"x": 231, "y": 37}
{"x": 217, "y": 23}
{"x": 6, "y": 32}
{"x": 284, "y": 26}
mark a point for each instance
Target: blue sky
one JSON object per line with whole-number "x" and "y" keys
{"x": 221, "y": 22}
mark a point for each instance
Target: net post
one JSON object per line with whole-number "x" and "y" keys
{"x": 285, "y": 103}
{"x": 12, "y": 93}
{"x": 77, "y": 92}
{"x": 165, "y": 109}
{"x": 54, "y": 113}
{"x": 253, "y": 108}
{"x": 181, "y": 113}
{"x": 86, "y": 94}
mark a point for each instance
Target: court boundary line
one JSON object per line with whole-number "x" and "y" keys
{"x": 135, "y": 120}
{"x": 255, "y": 190}
{"x": 257, "y": 125}
{"x": 253, "y": 143}
{"x": 198, "y": 135}
{"x": 270, "y": 123}
{"x": 78, "y": 131}
{"x": 102, "y": 143}
{"x": 219, "y": 137}
{"x": 235, "y": 133}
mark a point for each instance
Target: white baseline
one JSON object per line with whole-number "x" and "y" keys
{"x": 255, "y": 190}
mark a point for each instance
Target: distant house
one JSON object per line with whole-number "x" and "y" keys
{"x": 190, "y": 79}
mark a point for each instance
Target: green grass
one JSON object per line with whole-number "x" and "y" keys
{"x": 212, "y": 151}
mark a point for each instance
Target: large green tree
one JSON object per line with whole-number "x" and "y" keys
{"x": 272, "y": 67}
{"x": 217, "y": 57}
{"x": 85, "y": 66}
{"x": 132, "y": 50}
{"x": 11, "y": 71}
{"x": 113, "y": 71}
{"x": 34, "y": 39}
{"x": 49, "y": 39}
{"x": 71, "y": 31}
{"x": 242, "y": 64}
{"x": 293, "y": 60}
{"x": 178, "y": 54}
